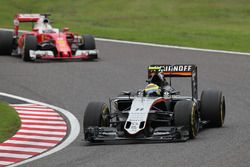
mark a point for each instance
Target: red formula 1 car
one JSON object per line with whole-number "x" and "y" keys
{"x": 45, "y": 42}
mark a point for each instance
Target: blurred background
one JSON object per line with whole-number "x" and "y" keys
{"x": 211, "y": 24}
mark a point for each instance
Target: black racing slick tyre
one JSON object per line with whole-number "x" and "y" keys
{"x": 213, "y": 108}
{"x": 6, "y": 42}
{"x": 88, "y": 42}
{"x": 29, "y": 43}
{"x": 96, "y": 115}
{"x": 185, "y": 114}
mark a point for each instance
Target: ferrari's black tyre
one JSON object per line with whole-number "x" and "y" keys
{"x": 29, "y": 43}
{"x": 213, "y": 108}
{"x": 96, "y": 114}
{"x": 185, "y": 114}
{"x": 6, "y": 42}
{"x": 88, "y": 42}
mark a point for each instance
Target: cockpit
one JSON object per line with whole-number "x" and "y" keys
{"x": 44, "y": 26}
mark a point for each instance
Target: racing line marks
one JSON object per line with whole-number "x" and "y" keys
{"x": 41, "y": 129}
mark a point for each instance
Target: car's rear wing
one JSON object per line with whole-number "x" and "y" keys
{"x": 21, "y": 17}
{"x": 29, "y": 17}
{"x": 178, "y": 70}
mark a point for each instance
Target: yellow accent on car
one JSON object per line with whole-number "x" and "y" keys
{"x": 151, "y": 87}
{"x": 154, "y": 68}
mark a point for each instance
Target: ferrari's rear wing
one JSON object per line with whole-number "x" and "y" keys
{"x": 29, "y": 17}
{"x": 178, "y": 70}
{"x": 34, "y": 17}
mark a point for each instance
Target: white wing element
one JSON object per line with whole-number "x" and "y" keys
{"x": 138, "y": 114}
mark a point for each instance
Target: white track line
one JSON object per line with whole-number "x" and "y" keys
{"x": 31, "y": 143}
{"x": 15, "y": 155}
{"x": 44, "y": 127}
{"x": 49, "y": 122}
{"x": 41, "y": 117}
{"x": 161, "y": 45}
{"x": 42, "y": 132}
{"x": 39, "y": 137}
{"x": 38, "y": 150}
{"x": 34, "y": 109}
{"x": 28, "y": 105}
{"x": 38, "y": 113}
{"x": 5, "y": 162}
{"x": 171, "y": 46}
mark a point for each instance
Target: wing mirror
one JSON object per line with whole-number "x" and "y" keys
{"x": 175, "y": 92}
{"x": 148, "y": 80}
{"x": 66, "y": 29}
{"x": 35, "y": 29}
{"x": 126, "y": 93}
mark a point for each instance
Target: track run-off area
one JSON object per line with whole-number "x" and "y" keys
{"x": 41, "y": 129}
{"x": 123, "y": 66}
{"x": 44, "y": 130}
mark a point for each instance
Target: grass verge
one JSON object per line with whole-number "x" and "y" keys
{"x": 211, "y": 24}
{"x": 9, "y": 121}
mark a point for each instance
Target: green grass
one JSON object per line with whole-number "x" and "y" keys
{"x": 213, "y": 24}
{"x": 9, "y": 121}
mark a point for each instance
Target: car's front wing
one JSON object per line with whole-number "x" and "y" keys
{"x": 49, "y": 55}
{"x": 164, "y": 134}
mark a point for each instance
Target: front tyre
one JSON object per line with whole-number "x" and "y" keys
{"x": 6, "y": 42}
{"x": 185, "y": 114}
{"x": 213, "y": 108}
{"x": 29, "y": 43}
{"x": 96, "y": 115}
{"x": 88, "y": 42}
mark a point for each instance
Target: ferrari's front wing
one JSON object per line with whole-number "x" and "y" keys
{"x": 165, "y": 134}
{"x": 47, "y": 54}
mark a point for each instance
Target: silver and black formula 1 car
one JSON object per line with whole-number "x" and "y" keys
{"x": 158, "y": 112}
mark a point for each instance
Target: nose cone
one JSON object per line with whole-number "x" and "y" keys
{"x": 64, "y": 54}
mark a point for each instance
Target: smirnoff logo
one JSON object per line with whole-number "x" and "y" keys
{"x": 168, "y": 68}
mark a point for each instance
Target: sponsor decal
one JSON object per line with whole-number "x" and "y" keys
{"x": 184, "y": 70}
{"x": 16, "y": 22}
{"x": 171, "y": 68}
{"x": 29, "y": 15}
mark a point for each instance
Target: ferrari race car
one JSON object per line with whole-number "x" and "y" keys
{"x": 156, "y": 113}
{"x": 45, "y": 42}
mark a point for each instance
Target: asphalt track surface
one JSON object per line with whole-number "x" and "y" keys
{"x": 123, "y": 67}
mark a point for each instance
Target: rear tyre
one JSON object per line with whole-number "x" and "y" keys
{"x": 96, "y": 115}
{"x": 213, "y": 108}
{"x": 185, "y": 114}
{"x": 88, "y": 42}
{"x": 30, "y": 43}
{"x": 6, "y": 42}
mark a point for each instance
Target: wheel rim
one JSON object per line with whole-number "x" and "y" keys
{"x": 222, "y": 110}
{"x": 194, "y": 122}
{"x": 23, "y": 50}
{"x": 104, "y": 118}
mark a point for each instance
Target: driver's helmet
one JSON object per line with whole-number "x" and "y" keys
{"x": 43, "y": 24}
{"x": 46, "y": 24}
{"x": 46, "y": 21}
{"x": 157, "y": 79}
{"x": 152, "y": 90}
